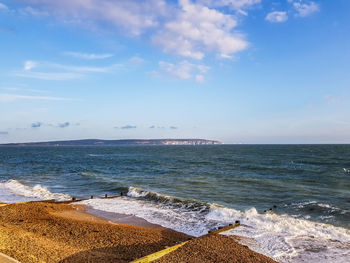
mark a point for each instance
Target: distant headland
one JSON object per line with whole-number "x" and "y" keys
{"x": 97, "y": 142}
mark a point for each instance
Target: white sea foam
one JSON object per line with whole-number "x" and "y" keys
{"x": 137, "y": 192}
{"x": 14, "y": 191}
{"x": 281, "y": 237}
{"x": 328, "y": 207}
{"x": 182, "y": 221}
{"x": 94, "y": 155}
{"x": 288, "y": 239}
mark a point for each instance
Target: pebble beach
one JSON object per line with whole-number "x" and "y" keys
{"x": 49, "y": 232}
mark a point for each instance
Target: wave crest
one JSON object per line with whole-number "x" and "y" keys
{"x": 192, "y": 205}
{"x": 37, "y": 192}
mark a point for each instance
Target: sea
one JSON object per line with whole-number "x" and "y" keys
{"x": 293, "y": 201}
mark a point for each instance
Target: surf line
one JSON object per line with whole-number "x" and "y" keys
{"x": 74, "y": 200}
{"x": 161, "y": 253}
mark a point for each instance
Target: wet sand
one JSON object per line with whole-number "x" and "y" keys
{"x": 49, "y": 232}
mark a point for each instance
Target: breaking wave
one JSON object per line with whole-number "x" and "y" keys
{"x": 282, "y": 237}
{"x": 14, "y": 191}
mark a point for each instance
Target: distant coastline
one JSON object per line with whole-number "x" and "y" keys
{"x": 97, "y": 142}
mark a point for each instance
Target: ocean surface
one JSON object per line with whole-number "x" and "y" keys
{"x": 293, "y": 201}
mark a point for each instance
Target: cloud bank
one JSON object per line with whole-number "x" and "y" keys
{"x": 58, "y": 125}
{"x": 126, "y": 127}
{"x": 36, "y": 124}
{"x": 187, "y": 28}
{"x": 63, "y": 125}
{"x": 197, "y": 29}
{"x": 163, "y": 127}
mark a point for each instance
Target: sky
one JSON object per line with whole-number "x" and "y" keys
{"x": 237, "y": 71}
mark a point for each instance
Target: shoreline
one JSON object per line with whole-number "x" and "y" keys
{"x": 30, "y": 232}
{"x": 121, "y": 218}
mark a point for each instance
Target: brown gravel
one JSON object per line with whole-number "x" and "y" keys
{"x": 214, "y": 248}
{"x": 34, "y": 232}
{"x": 48, "y": 232}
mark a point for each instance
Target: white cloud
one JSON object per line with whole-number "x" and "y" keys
{"x": 28, "y": 65}
{"x": 306, "y": 9}
{"x": 3, "y": 6}
{"x": 277, "y": 17}
{"x": 199, "y": 78}
{"x": 184, "y": 70}
{"x": 88, "y": 56}
{"x": 34, "y": 12}
{"x": 332, "y": 99}
{"x": 132, "y": 15}
{"x": 180, "y": 71}
{"x": 25, "y": 89}
{"x": 4, "y": 97}
{"x": 233, "y": 4}
{"x": 136, "y": 60}
{"x": 82, "y": 69}
{"x": 48, "y": 75}
{"x": 185, "y": 28}
{"x": 198, "y": 29}
{"x": 54, "y": 71}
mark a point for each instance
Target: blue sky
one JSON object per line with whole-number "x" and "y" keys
{"x": 250, "y": 71}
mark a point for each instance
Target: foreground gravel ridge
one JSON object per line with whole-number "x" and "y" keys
{"x": 52, "y": 233}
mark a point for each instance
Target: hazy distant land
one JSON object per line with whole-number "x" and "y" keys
{"x": 97, "y": 142}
